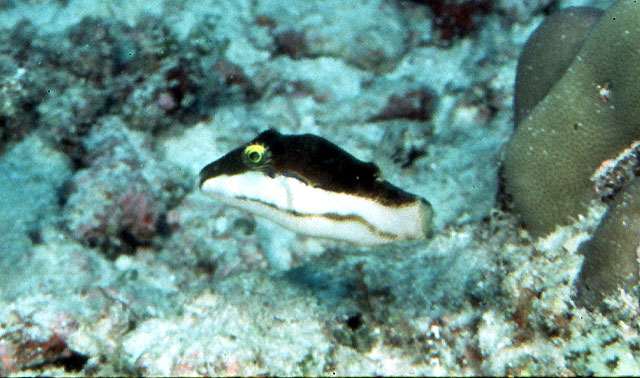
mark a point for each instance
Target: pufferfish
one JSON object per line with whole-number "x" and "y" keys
{"x": 313, "y": 187}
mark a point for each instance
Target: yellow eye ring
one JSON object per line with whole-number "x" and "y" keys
{"x": 255, "y": 154}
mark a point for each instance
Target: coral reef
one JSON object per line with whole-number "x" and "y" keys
{"x": 564, "y": 136}
{"x": 33, "y": 175}
{"x": 121, "y": 199}
{"x": 103, "y": 67}
{"x": 376, "y": 34}
{"x": 611, "y": 256}
{"x": 573, "y": 129}
{"x": 565, "y": 30}
{"x": 454, "y": 18}
{"x": 416, "y": 105}
{"x": 19, "y": 92}
{"x": 112, "y": 263}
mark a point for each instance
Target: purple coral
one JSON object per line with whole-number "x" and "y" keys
{"x": 456, "y": 18}
{"x": 414, "y": 105}
{"x": 131, "y": 220}
{"x": 139, "y": 216}
{"x": 121, "y": 200}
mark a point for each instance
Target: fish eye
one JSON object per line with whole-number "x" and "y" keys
{"x": 255, "y": 154}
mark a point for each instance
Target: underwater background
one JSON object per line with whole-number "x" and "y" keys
{"x": 112, "y": 262}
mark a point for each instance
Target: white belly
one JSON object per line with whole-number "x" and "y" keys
{"x": 320, "y": 213}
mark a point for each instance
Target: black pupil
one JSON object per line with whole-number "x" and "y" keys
{"x": 254, "y": 156}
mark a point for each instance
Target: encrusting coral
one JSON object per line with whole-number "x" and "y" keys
{"x": 589, "y": 116}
